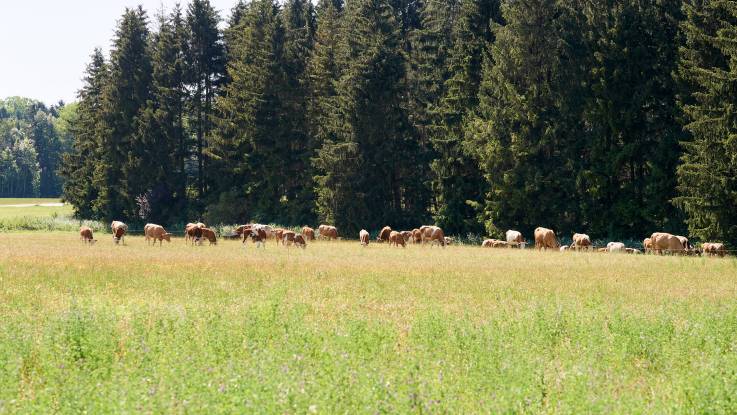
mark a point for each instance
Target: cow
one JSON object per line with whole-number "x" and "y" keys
{"x": 665, "y": 242}
{"x": 633, "y": 251}
{"x": 396, "y": 239}
{"x": 433, "y": 235}
{"x": 85, "y": 234}
{"x": 416, "y": 236}
{"x": 545, "y": 238}
{"x": 364, "y": 237}
{"x": 564, "y": 248}
{"x": 406, "y": 235}
{"x": 299, "y": 241}
{"x": 647, "y": 245}
{"x": 288, "y": 237}
{"x": 602, "y": 250}
{"x": 328, "y": 232}
{"x": 243, "y": 229}
{"x": 384, "y": 234}
{"x": 156, "y": 233}
{"x": 209, "y": 234}
{"x": 616, "y": 248}
{"x": 119, "y": 230}
{"x": 308, "y": 233}
{"x": 581, "y": 241}
{"x": 488, "y": 243}
{"x": 279, "y": 235}
{"x": 515, "y": 238}
{"x": 192, "y": 232}
{"x": 494, "y": 243}
{"x": 714, "y": 249}
{"x": 258, "y": 236}
{"x": 448, "y": 240}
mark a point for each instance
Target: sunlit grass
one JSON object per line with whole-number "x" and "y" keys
{"x": 338, "y": 328}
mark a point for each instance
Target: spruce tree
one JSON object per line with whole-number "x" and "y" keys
{"x": 707, "y": 177}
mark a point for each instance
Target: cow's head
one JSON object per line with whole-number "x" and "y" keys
{"x": 167, "y": 237}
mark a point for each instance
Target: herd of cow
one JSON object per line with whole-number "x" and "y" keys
{"x": 197, "y": 233}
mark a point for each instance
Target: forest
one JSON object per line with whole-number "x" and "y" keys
{"x": 614, "y": 118}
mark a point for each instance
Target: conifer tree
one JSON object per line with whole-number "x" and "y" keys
{"x": 707, "y": 177}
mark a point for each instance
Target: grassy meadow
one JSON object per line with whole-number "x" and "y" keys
{"x": 337, "y": 328}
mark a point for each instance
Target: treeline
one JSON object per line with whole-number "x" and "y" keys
{"x": 32, "y": 140}
{"x": 609, "y": 117}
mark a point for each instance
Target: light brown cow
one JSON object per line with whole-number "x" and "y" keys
{"x": 416, "y": 236}
{"x": 288, "y": 237}
{"x": 406, "y": 235}
{"x": 328, "y": 232}
{"x": 119, "y": 230}
{"x": 279, "y": 235}
{"x": 494, "y": 243}
{"x": 308, "y": 233}
{"x": 545, "y": 238}
{"x": 665, "y": 242}
{"x": 515, "y": 238}
{"x": 209, "y": 234}
{"x": 396, "y": 239}
{"x": 85, "y": 234}
{"x": 156, "y": 233}
{"x": 433, "y": 235}
{"x": 364, "y": 237}
{"x": 616, "y": 248}
{"x": 647, "y": 245}
{"x": 488, "y": 243}
{"x": 581, "y": 241}
{"x": 384, "y": 234}
{"x": 299, "y": 241}
{"x": 714, "y": 249}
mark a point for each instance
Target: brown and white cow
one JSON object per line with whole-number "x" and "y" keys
{"x": 288, "y": 237}
{"x": 299, "y": 241}
{"x": 545, "y": 238}
{"x": 328, "y": 232}
{"x": 210, "y": 235}
{"x": 258, "y": 237}
{"x": 364, "y": 237}
{"x": 581, "y": 241}
{"x": 396, "y": 239}
{"x": 406, "y": 235}
{"x": 192, "y": 233}
{"x": 714, "y": 249}
{"x": 308, "y": 233}
{"x": 85, "y": 234}
{"x": 515, "y": 238}
{"x": 384, "y": 234}
{"x": 119, "y": 230}
{"x": 647, "y": 245}
{"x": 279, "y": 235}
{"x": 433, "y": 235}
{"x": 416, "y": 236}
{"x": 156, "y": 233}
{"x": 664, "y": 242}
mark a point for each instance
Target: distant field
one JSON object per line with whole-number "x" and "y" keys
{"x": 8, "y": 211}
{"x": 341, "y": 329}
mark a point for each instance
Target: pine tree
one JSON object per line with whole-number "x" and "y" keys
{"x": 459, "y": 186}
{"x": 78, "y": 167}
{"x": 118, "y": 175}
{"x": 366, "y": 173}
{"x": 206, "y": 62}
{"x": 707, "y": 177}
{"x": 529, "y": 120}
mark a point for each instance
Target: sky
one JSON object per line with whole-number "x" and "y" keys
{"x": 46, "y": 44}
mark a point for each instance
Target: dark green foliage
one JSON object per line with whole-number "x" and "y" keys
{"x": 707, "y": 177}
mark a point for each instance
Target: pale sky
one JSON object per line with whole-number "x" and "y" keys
{"x": 46, "y": 44}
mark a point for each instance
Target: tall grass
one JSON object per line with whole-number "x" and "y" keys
{"x": 338, "y": 328}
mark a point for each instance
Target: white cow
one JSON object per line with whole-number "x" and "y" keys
{"x": 514, "y": 238}
{"x": 616, "y": 247}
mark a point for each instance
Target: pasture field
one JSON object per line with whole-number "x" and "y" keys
{"x": 9, "y": 212}
{"x": 337, "y": 328}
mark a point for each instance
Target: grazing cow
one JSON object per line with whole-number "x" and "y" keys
{"x": 308, "y": 233}
{"x": 665, "y": 242}
{"x": 279, "y": 235}
{"x": 364, "y": 237}
{"x": 581, "y": 241}
{"x": 258, "y": 236}
{"x": 328, "y": 232}
{"x": 299, "y": 241}
{"x": 433, "y": 235}
{"x": 564, "y": 248}
{"x": 288, "y": 237}
{"x": 416, "y": 236}
{"x": 119, "y": 230}
{"x": 633, "y": 251}
{"x": 448, "y": 240}
{"x": 616, "y": 248}
{"x": 515, "y": 238}
{"x": 545, "y": 238}
{"x": 488, "y": 243}
{"x": 85, "y": 234}
{"x": 494, "y": 243}
{"x": 714, "y": 249}
{"x": 209, "y": 234}
{"x": 156, "y": 233}
{"x": 384, "y": 234}
{"x": 647, "y": 245}
{"x": 406, "y": 235}
{"x": 395, "y": 238}
{"x": 602, "y": 250}
{"x": 192, "y": 232}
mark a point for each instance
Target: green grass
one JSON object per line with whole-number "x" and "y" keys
{"x": 341, "y": 329}
{"x": 44, "y": 218}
